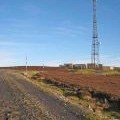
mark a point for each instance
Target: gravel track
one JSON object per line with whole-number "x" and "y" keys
{"x": 21, "y": 100}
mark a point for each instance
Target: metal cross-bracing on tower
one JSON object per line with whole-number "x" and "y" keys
{"x": 95, "y": 42}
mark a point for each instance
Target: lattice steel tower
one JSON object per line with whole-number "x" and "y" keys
{"x": 95, "y": 42}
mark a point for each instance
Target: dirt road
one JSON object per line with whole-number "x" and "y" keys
{"x": 21, "y": 100}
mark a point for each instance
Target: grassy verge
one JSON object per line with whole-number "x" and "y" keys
{"x": 69, "y": 96}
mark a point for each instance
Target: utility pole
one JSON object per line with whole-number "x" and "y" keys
{"x": 26, "y": 67}
{"x": 95, "y": 42}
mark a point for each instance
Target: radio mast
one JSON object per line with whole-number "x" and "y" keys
{"x": 95, "y": 42}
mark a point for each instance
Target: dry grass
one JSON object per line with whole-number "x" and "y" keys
{"x": 58, "y": 92}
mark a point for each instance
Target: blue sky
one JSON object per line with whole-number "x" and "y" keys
{"x": 53, "y": 32}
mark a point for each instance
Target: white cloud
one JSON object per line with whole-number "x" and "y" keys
{"x": 6, "y": 58}
{"x": 11, "y": 58}
{"x": 19, "y": 44}
{"x": 110, "y": 60}
{"x": 69, "y": 30}
{"x": 32, "y": 9}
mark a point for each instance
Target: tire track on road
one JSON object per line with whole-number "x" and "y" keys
{"x": 35, "y": 104}
{"x": 26, "y": 106}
